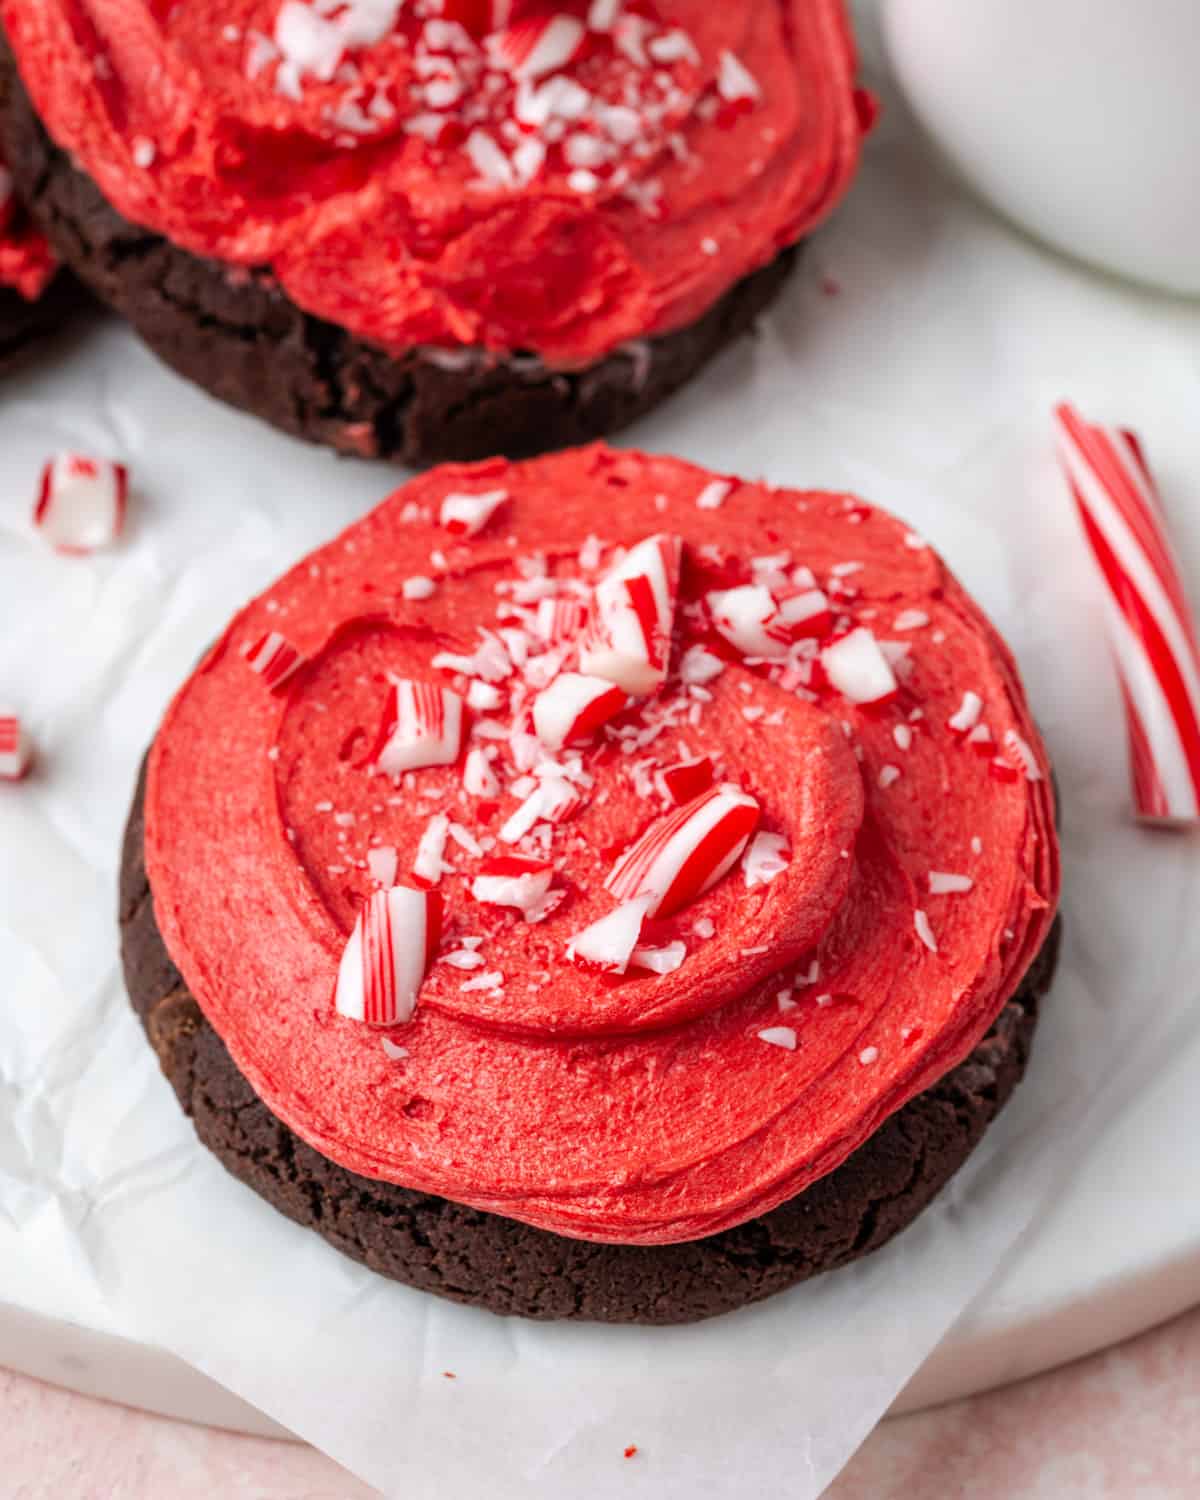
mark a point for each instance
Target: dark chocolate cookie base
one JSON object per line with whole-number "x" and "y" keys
{"x": 25, "y": 326}
{"x": 236, "y": 334}
{"x": 508, "y": 1267}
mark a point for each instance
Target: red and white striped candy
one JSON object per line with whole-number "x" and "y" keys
{"x": 561, "y": 620}
{"x": 479, "y": 780}
{"x": 274, "y": 658}
{"x": 510, "y": 880}
{"x": 15, "y": 752}
{"x": 806, "y": 613}
{"x": 467, "y": 515}
{"x": 536, "y": 45}
{"x": 422, "y": 726}
{"x": 628, "y": 640}
{"x": 858, "y": 669}
{"x": 686, "y": 781}
{"x": 387, "y": 956}
{"x": 573, "y": 708}
{"x": 608, "y": 945}
{"x": 81, "y": 502}
{"x": 685, "y": 853}
{"x": 1151, "y": 627}
{"x": 746, "y": 616}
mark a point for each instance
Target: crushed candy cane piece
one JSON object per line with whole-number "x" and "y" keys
{"x": 685, "y": 781}
{"x": 479, "y": 780}
{"x": 682, "y": 855}
{"x": 766, "y": 857}
{"x": 925, "y": 930}
{"x": 81, "y": 502}
{"x": 943, "y": 883}
{"x": 858, "y": 669}
{"x": 779, "y": 1036}
{"x": 966, "y": 715}
{"x": 382, "y": 861}
{"x": 628, "y": 638}
{"x": 422, "y": 726}
{"x": 15, "y": 752}
{"x": 607, "y": 945}
{"x": 467, "y": 515}
{"x": 274, "y": 658}
{"x": 387, "y": 956}
{"x": 574, "y": 707}
{"x": 744, "y": 616}
{"x": 660, "y": 960}
{"x": 427, "y": 861}
{"x": 510, "y": 880}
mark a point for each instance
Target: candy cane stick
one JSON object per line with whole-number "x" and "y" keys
{"x": 1150, "y": 624}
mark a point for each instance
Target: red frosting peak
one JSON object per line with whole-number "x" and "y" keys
{"x": 689, "y": 958}
{"x": 521, "y": 176}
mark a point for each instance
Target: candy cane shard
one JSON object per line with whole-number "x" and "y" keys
{"x": 574, "y": 707}
{"x": 81, "y": 502}
{"x": 387, "y": 956}
{"x": 15, "y": 752}
{"x": 607, "y": 945}
{"x": 858, "y": 669}
{"x": 1151, "y": 627}
{"x": 684, "y": 782}
{"x": 510, "y": 880}
{"x": 274, "y": 658}
{"x": 422, "y": 726}
{"x": 467, "y": 515}
{"x": 536, "y": 45}
{"x": 744, "y": 616}
{"x": 683, "y": 854}
{"x": 628, "y": 638}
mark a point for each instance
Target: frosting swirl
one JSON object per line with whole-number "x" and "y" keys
{"x": 903, "y": 874}
{"x": 579, "y": 178}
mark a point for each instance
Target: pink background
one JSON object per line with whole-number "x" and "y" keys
{"x": 1122, "y": 1425}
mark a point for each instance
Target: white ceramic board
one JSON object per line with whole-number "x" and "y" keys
{"x": 909, "y": 362}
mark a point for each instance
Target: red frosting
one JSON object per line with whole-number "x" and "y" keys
{"x": 652, "y": 1108}
{"x": 419, "y": 181}
{"x": 26, "y": 262}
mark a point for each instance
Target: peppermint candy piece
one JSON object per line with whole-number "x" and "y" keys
{"x": 806, "y": 613}
{"x": 274, "y": 658}
{"x": 561, "y": 620}
{"x": 536, "y": 45}
{"x": 682, "y": 855}
{"x": 858, "y": 669}
{"x": 467, "y": 515}
{"x": 1151, "y": 628}
{"x": 387, "y": 956}
{"x": 628, "y": 640}
{"x": 767, "y": 856}
{"x": 81, "y": 502}
{"x": 15, "y": 750}
{"x": 608, "y": 945}
{"x": 745, "y": 617}
{"x": 686, "y": 781}
{"x": 422, "y": 726}
{"x": 479, "y": 780}
{"x": 574, "y": 707}
{"x": 511, "y": 880}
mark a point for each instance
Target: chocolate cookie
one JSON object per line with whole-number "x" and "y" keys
{"x": 24, "y": 324}
{"x": 241, "y": 338}
{"x": 508, "y": 1267}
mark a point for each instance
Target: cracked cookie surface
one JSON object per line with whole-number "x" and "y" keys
{"x": 508, "y": 1267}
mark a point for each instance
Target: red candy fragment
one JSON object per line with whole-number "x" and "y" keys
{"x": 467, "y": 515}
{"x": 607, "y": 945}
{"x": 81, "y": 502}
{"x": 274, "y": 658}
{"x": 15, "y": 752}
{"x": 683, "y": 854}
{"x": 511, "y": 880}
{"x": 387, "y": 956}
{"x": 686, "y": 781}
{"x": 573, "y": 708}
{"x": 422, "y": 726}
{"x": 536, "y": 45}
{"x": 628, "y": 640}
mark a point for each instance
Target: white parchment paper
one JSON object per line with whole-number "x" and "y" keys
{"x": 915, "y": 359}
